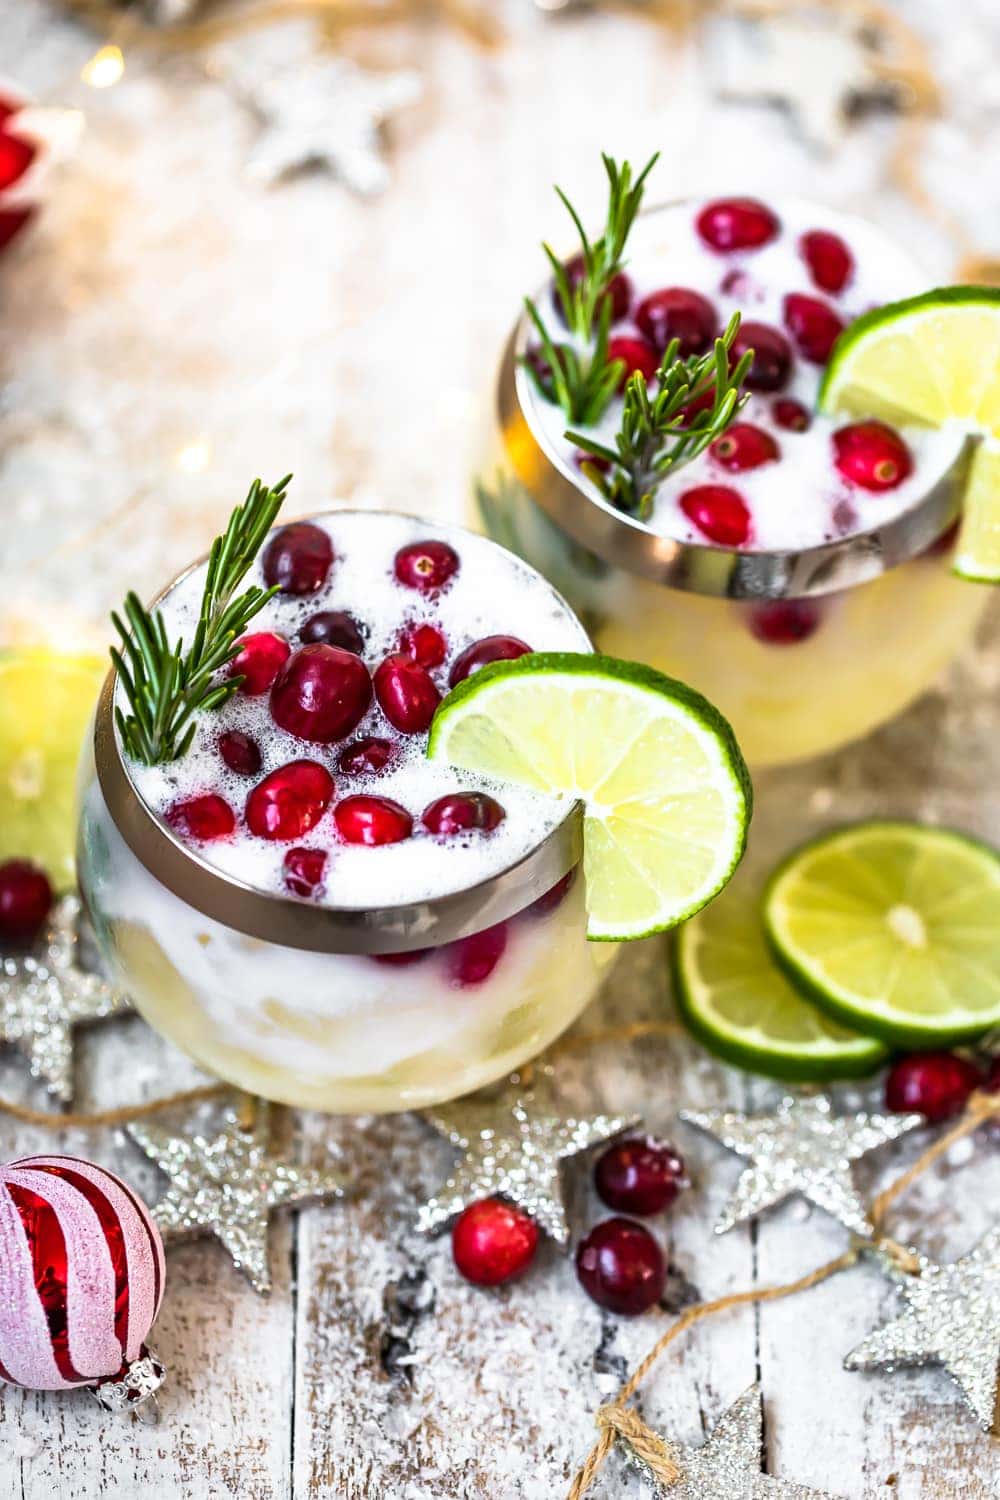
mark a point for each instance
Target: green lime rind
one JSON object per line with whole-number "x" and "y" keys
{"x": 916, "y": 1004}
{"x": 568, "y": 742}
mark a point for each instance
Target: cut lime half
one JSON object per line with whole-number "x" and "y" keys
{"x": 733, "y": 997}
{"x": 935, "y": 360}
{"x": 665, "y": 791}
{"x": 893, "y": 928}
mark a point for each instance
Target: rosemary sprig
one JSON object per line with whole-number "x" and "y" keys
{"x": 656, "y": 434}
{"x": 582, "y": 384}
{"x": 167, "y": 685}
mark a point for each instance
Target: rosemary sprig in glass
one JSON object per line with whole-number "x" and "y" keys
{"x": 582, "y": 384}
{"x": 656, "y": 434}
{"x": 167, "y": 685}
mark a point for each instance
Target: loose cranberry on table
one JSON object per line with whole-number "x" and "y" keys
{"x": 772, "y": 356}
{"x": 619, "y": 289}
{"x": 25, "y": 900}
{"x": 303, "y": 870}
{"x": 461, "y": 812}
{"x": 258, "y": 661}
{"x": 366, "y": 756}
{"x": 492, "y": 1242}
{"x": 202, "y": 818}
{"x": 321, "y": 693}
{"x": 637, "y": 357}
{"x": 289, "y": 802}
{"x": 423, "y": 644}
{"x": 934, "y": 1084}
{"x": 678, "y": 312}
{"x": 482, "y": 652}
{"x": 784, "y": 622}
{"x": 872, "y": 455}
{"x": 640, "y": 1175}
{"x": 426, "y": 566}
{"x": 240, "y": 752}
{"x": 814, "y": 326}
{"x": 744, "y": 446}
{"x": 830, "y": 262}
{"x": 333, "y": 627}
{"x": 719, "y": 512}
{"x": 406, "y": 694}
{"x": 372, "y": 820}
{"x": 298, "y": 559}
{"x": 621, "y": 1267}
{"x": 737, "y": 224}
{"x": 791, "y": 414}
{"x": 471, "y": 960}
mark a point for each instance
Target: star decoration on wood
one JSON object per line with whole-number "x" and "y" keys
{"x": 227, "y": 1182}
{"x": 951, "y": 1319}
{"x": 727, "y": 1465}
{"x": 804, "y": 1148}
{"x": 44, "y": 993}
{"x": 513, "y": 1145}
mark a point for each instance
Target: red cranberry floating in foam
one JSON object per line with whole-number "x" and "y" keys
{"x": 636, "y": 355}
{"x": 872, "y": 456}
{"x": 12, "y": 221}
{"x": 366, "y": 756}
{"x": 406, "y": 694}
{"x": 471, "y": 960}
{"x": 784, "y": 622}
{"x": 298, "y": 559}
{"x": 402, "y": 960}
{"x": 791, "y": 414}
{"x": 719, "y": 512}
{"x": 462, "y": 812}
{"x": 743, "y": 446}
{"x": 592, "y": 460}
{"x": 639, "y": 1175}
{"x": 423, "y": 644}
{"x": 814, "y": 326}
{"x": 992, "y": 1084}
{"x": 303, "y": 870}
{"x": 321, "y": 693}
{"x": 621, "y": 1267}
{"x": 677, "y": 312}
{"x": 481, "y": 653}
{"x": 258, "y": 661}
{"x": 426, "y": 566}
{"x": 333, "y": 627}
{"x": 16, "y": 156}
{"x": 772, "y": 355}
{"x": 737, "y": 224}
{"x": 289, "y": 802}
{"x": 240, "y": 752}
{"x": 25, "y": 900}
{"x": 492, "y": 1242}
{"x": 934, "y": 1084}
{"x": 619, "y": 289}
{"x": 830, "y": 262}
{"x": 202, "y": 819}
{"x": 372, "y": 821}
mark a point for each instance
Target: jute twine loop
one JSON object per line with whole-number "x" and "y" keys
{"x": 625, "y": 1422}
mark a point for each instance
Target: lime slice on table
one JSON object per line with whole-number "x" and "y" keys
{"x": 893, "y": 928}
{"x": 934, "y": 360}
{"x": 46, "y": 699}
{"x": 733, "y": 997}
{"x": 665, "y": 790}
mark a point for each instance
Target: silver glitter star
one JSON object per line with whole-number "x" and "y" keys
{"x": 727, "y": 1466}
{"x": 952, "y": 1319}
{"x": 513, "y": 1145}
{"x": 226, "y": 1183}
{"x": 802, "y": 1148}
{"x": 44, "y": 993}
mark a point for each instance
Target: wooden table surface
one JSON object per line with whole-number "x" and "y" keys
{"x": 169, "y": 314}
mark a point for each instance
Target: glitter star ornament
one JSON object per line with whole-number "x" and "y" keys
{"x": 727, "y": 1466}
{"x": 951, "y": 1319}
{"x": 44, "y": 993}
{"x": 803, "y": 1148}
{"x": 513, "y": 1145}
{"x": 226, "y": 1182}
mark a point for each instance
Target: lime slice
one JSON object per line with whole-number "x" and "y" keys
{"x": 732, "y": 996}
{"x": 45, "y": 704}
{"x": 893, "y": 928}
{"x": 666, "y": 793}
{"x": 934, "y": 360}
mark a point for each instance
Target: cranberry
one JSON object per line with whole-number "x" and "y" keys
{"x": 784, "y": 622}
{"x": 602, "y": 465}
{"x": 791, "y": 414}
{"x": 258, "y": 661}
{"x": 368, "y": 755}
{"x": 290, "y": 801}
{"x": 25, "y": 900}
{"x": 493, "y": 1241}
{"x": 679, "y": 313}
{"x": 936, "y": 1085}
{"x": 333, "y": 627}
{"x": 772, "y": 355}
{"x": 736, "y": 283}
{"x": 639, "y": 1175}
{"x": 423, "y": 644}
{"x": 298, "y": 559}
{"x": 719, "y": 512}
{"x": 16, "y": 156}
{"x": 402, "y": 960}
{"x": 537, "y": 362}
{"x": 992, "y": 1084}
{"x": 12, "y": 221}
{"x": 844, "y": 517}
{"x": 459, "y": 812}
{"x": 321, "y": 693}
{"x": 406, "y": 694}
{"x": 737, "y": 224}
{"x": 619, "y": 289}
{"x": 472, "y": 960}
{"x": 621, "y": 1267}
{"x": 743, "y": 446}
{"x": 872, "y": 455}
{"x": 481, "y": 653}
{"x": 945, "y": 543}
{"x": 202, "y": 818}
{"x": 636, "y": 355}
{"x": 426, "y": 566}
{"x": 553, "y": 898}
{"x": 814, "y": 326}
{"x": 830, "y": 263}
{"x": 304, "y": 870}
{"x": 240, "y": 753}
{"x": 372, "y": 821}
